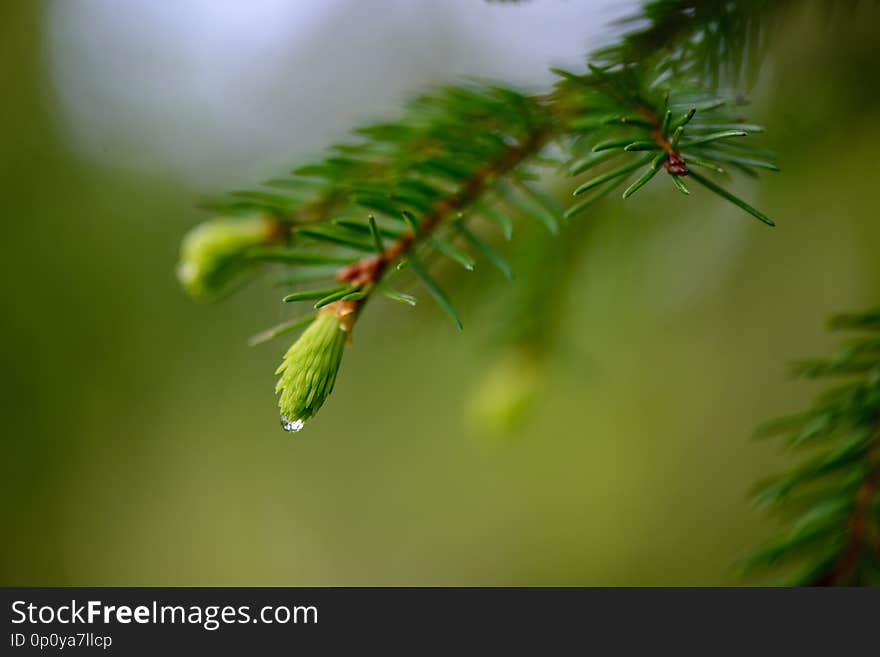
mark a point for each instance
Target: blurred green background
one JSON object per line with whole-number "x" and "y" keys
{"x": 140, "y": 436}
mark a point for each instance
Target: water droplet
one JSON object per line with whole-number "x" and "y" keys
{"x": 291, "y": 425}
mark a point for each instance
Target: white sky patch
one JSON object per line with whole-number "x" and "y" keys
{"x": 222, "y": 92}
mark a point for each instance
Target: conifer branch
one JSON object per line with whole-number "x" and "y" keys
{"x": 441, "y": 163}
{"x": 367, "y": 272}
{"x": 833, "y": 496}
{"x": 859, "y": 525}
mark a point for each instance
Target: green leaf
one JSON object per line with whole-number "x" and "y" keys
{"x": 611, "y": 143}
{"x": 611, "y": 175}
{"x": 708, "y": 105}
{"x": 356, "y": 296}
{"x": 561, "y": 72}
{"x": 649, "y": 173}
{"x": 450, "y": 250}
{"x": 703, "y": 105}
{"x": 579, "y": 207}
{"x": 791, "y": 547}
{"x": 336, "y": 296}
{"x": 744, "y": 161}
{"x": 702, "y": 163}
{"x": 421, "y": 188}
{"x": 680, "y": 185}
{"x": 748, "y": 127}
{"x": 812, "y": 369}
{"x": 445, "y": 168}
{"x": 628, "y": 120}
{"x": 364, "y": 227}
{"x": 432, "y": 287}
{"x": 683, "y": 120}
{"x": 868, "y": 321}
{"x": 676, "y": 136}
{"x": 296, "y": 257}
{"x": 848, "y": 454}
{"x": 730, "y": 197}
{"x": 326, "y": 234}
{"x": 534, "y": 206}
{"x": 714, "y": 137}
{"x": 266, "y": 198}
{"x": 416, "y": 202}
{"x": 496, "y": 216}
{"x": 377, "y": 238}
{"x": 667, "y": 118}
{"x": 311, "y": 294}
{"x": 586, "y": 123}
{"x": 820, "y": 568}
{"x": 395, "y": 295}
{"x": 280, "y": 329}
{"x": 310, "y": 170}
{"x": 411, "y": 221}
{"x": 588, "y": 162}
{"x": 641, "y": 146}
{"x": 377, "y": 204}
{"x": 490, "y": 253}
{"x": 286, "y": 183}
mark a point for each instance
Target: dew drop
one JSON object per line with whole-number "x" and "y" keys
{"x": 291, "y": 426}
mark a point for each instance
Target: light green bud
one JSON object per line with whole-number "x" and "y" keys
{"x": 506, "y": 395}
{"x": 309, "y": 368}
{"x": 212, "y": 255}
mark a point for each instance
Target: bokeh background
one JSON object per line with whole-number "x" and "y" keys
{"x": 140, "y": 438}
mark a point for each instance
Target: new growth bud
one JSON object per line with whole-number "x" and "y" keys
{"x": 309, "y": 368}
{"x": 505, "y": 396}
{"x": 212, "y": 255}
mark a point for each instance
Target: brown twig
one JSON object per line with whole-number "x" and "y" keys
{"x": 674, "y": 162}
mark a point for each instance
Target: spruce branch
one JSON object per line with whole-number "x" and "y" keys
{"x": 861, "y": 524}
{"x": 368, "y": 271}
{"x": 403, "y": 192}
{"x": 620, "y": 110}
{"x": 833, "y": 497}
{"x": 340, "y": 308}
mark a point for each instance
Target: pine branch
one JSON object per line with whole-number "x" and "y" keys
{"x": 834, "y": 495}
{"x": 367, "y": 272}
{"x": 861, "y": 523}
{"x": 401, "y": 192}
{"x": 620, "y": 111}
{"x": 431, "y": 195}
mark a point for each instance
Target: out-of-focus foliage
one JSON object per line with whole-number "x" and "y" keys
{"x": 833, "y": 496}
